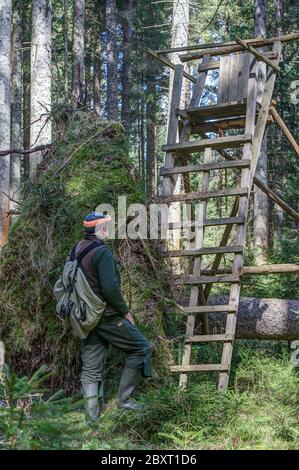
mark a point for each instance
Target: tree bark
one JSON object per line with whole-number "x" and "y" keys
{"x": 66, "y": 49}
{"x": 142, "y": 133}
{"x": 279, "y": 163}
{"x": 260, "y": 220}
{"x": 127, "y": 22}
{"x": 269, "y": 319}
{"x": 16, "y": 112}
{"x": 112, "y": 83}
{"x": 26, "y": 32}
{"x": 151, "y": 162}
{"x": 78, "y": 53}
{"x": 87, "y": 50}
{"x": 41, "y": 65}
{"x": 179, "y": 37}
{"x": 5, "y": 68}
{"x": 97, "y": 75}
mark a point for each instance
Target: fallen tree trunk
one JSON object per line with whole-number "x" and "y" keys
{"x": 269, "y": 319}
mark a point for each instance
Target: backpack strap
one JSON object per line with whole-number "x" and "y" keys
{"x": 87, "y": 250}
{"x": 73, "y": 252}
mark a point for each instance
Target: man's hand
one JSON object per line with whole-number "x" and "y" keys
{"x": 130, "y": 318}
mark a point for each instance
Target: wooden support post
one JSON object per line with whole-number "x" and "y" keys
{"x": 285, "y": 130}
{"x": 169, "y": 64}
{"x": 257, "y": 54}
{"x": 259, "y": 183}
{"x": 270, "y": 269}
{"x": 263, "y": 113}
{"x": 200, "y": 84}
{"x": 255, "y": 42}
{"x": 232, "y": 47}
{"x": 169, "y": 183}
{"x": 256, "y": 270}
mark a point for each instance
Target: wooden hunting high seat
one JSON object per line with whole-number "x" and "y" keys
{"x": 238, "y": 109}
{"x": 232, "y": 93}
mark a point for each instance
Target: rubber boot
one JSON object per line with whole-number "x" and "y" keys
{"x": 101, "y": 396}
{"x": 91, "y": 398}
{"x": 128, "y": 384}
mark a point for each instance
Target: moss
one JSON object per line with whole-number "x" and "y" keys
{"x": 91, "y": 166}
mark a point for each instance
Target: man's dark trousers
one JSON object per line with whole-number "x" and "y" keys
{"x": 120, "y": 333}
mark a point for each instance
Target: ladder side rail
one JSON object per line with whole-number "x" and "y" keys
{"x": 195, "y": 290}
{"x": 169, "y": 182}
{"x": 234, "y": 296}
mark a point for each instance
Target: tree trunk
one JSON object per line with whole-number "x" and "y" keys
{"x": 142, "y": 134}
{"x": 5, "y": 67}
{"x": 127, "y": 66}
{"x": 278, "y": 167}
{"x": 151, "y": 129}
{"x": 16, "y": 112}
{"x": 26, "y": 17}
{"x": 78, "y": 53}
{"x": 40, "y": 130}
{"x": 66, "y": 49}
{"x": 260, "y": 221}
{"x": 87, "y": 50}
{"x": 270, "y": 319}
{"x": 179, "y": 37}
{"x": 279, "y": 16}
{"x": 112, "y": 85}
{"x": 97, "y": 75}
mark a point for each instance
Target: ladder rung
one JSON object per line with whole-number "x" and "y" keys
{"x": 211, "y": 309}
{"x": 208, "y": 338}
{"x": 224, "y": 221}
{"x": 205, "y": 167}
{"x": 200, "y": 368}
{"x": 216, "y": 143}
{"x": 214, "y": 250}
{"x": 207, "y": 223}
{"x": 207, "y": 279}
{"x": 216, "y": 111}
{"x": 205, "y": 195}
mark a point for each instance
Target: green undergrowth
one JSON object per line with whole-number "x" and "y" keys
{"x": 259, "y": 411}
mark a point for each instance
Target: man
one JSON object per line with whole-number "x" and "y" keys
{"x": 116, "y": 326}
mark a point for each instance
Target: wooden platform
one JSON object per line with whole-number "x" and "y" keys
{"x": 216, "y": 111}
{"x": 186, "y": 148}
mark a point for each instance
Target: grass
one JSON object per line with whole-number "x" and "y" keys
{"x": 260, "y": 411}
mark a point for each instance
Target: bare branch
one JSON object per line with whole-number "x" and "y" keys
{"x": 3, "y": 153}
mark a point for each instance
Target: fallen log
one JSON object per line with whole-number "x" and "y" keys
{"x": 269, "y": 319}
{"x": 264, "y": 319}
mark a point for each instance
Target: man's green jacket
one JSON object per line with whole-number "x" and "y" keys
{"x": 102, "y": 273}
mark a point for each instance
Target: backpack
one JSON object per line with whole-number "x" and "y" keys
{"x": 75, "y": 298}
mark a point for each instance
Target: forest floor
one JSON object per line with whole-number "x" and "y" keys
{"x": 260, "y": 411}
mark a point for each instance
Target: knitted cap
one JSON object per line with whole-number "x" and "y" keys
{"x": 95, "y": 218}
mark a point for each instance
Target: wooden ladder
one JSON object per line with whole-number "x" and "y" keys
{"x": 195, "y": 120}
